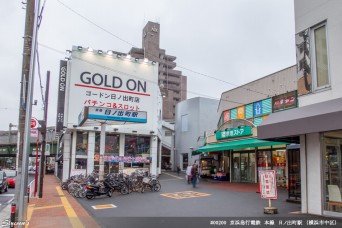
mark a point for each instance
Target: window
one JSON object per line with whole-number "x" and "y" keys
{"x": 82, "y": 143}
{"x": 320, "y": 52}
{"x": 184, "y": 124}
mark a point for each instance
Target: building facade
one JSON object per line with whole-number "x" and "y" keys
{"x": 317, "y": 121}
{"x": 233, "y": 152}
{"x": 193, "y": 117}
{"x": 172, "y": 83}
{"x": 111, "y": 114}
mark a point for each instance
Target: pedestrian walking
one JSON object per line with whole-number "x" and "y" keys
{"x": 178, "y": 170}
{"x": 188, "y": 173}
{"x": 194, "y": 173}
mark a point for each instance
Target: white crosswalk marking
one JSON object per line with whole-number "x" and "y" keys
{"x": 7, "y": 195}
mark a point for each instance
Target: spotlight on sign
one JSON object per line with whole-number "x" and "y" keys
{"x": 90, "y": 49}
{"x": 99, "y": 51}
{"x": 79, "y": 48}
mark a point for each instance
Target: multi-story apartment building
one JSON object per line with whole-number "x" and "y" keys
{"x": 172, "y": 83}
{"x": 317, "y": 121}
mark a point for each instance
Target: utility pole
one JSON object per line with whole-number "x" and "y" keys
{"x": 23, "y": 92}
{"x": 43, "y": 132}
{"x": 25, "y": 106}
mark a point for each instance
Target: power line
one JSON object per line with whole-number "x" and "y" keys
{"x": 108, "y": 68}
{"x": 112, "y": 34}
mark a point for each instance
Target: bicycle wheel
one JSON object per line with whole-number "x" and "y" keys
{"x": 82, "y": 194}
{"x": 157, "y": 187}
{"x": 124, "y": 190}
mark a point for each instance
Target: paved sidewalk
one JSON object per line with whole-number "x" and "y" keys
{"x": 57, "y": 208}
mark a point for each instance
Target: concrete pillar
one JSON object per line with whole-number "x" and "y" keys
{"x": 91, "y": 152}
{"x": 73, "y": 150}
{"x": 153, "y": 148}
{"x": 121, "y": 150}
{"x": 303, "y": 173}
{"x": 66, "y": 156}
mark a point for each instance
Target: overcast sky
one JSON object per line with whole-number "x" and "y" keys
{"x": 235, "y": 41}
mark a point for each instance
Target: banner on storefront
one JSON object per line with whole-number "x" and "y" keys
{"x": 127, "y": 159}
{"x": 284, "y": 101}
{"x": 268, "y": 184}
{"x": 234, "y": 132}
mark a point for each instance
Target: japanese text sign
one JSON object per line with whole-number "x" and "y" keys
{"x": 234, "y": 132}
{"x": 268, "y": 184}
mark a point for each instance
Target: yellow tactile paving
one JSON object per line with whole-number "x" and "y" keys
{"x": 184, "y": 195}
{"x": 75, "y": 221}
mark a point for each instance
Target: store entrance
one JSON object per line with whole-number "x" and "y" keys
{"x": 244, "y": 167}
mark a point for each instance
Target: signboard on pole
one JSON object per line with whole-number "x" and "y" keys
{"x": 268, "y": 184}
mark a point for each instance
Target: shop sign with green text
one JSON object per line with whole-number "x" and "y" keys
{"x": 234, "y": 132}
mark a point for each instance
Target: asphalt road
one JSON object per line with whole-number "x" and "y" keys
{"x": 209, "y": 204}
{"x": 7, "y": 197}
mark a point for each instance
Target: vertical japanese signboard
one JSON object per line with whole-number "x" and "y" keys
{"x": 61, "y": 95}
{"x": 268, "y": 184}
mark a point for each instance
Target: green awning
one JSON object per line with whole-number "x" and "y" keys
{"x": 238, "y": 144}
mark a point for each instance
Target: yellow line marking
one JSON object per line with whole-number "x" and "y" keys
{"x": 30, "y": 209}
{"x": 174, "y": 176}
{"x": 105, "y": 206}
{"x": 47, "y": 207}
{"x": 74, "y": 220}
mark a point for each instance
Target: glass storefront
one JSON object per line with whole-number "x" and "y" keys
{"x": 137, "y": 146}
{"x": 244, "y": 166}
{"x": 332, "y": 164}
{"x": 294, "y": 182}
{"x": 279, "y": 166}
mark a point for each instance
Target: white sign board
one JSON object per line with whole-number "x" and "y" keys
{"x": 268, "y": 184}
{"x": 110, "y": 82}
{"x": 34, "y": 133}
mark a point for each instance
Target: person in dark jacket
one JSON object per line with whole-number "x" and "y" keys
{"x": 194, "y": 174}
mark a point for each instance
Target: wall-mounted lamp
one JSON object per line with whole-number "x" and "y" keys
{"x": 99, "y": 51}
{"x": 79, "y": 48}
{"x": 115, "y": 129}
{"x": 68, "y": 51}
{"x": 134, "y": 132}
{"x": 90, "y": 49}
{"x": 215, "y": 131}
{"x": 226, "y": 129}
{"x": 153, "y": 63}
{"x": 191, "y": 148}
{"x": 110, "y": 52}
{"x": 128, "y": 56}
{"x": 74, "y": 126}
{"x": 119, "y": 56}
{"x": 151, "y": 132}
{"x": 96, "y": 128}
{"x": 67, "y": 58}
{"x": 136, "y": 59}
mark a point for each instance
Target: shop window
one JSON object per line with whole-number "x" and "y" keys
{"x": 279, "y": 166}
{"x": 80, "y": 163}
{"x": 137, "y": 146}
{"x": 333, "y": 171}
{"x": 82, "y": 143}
